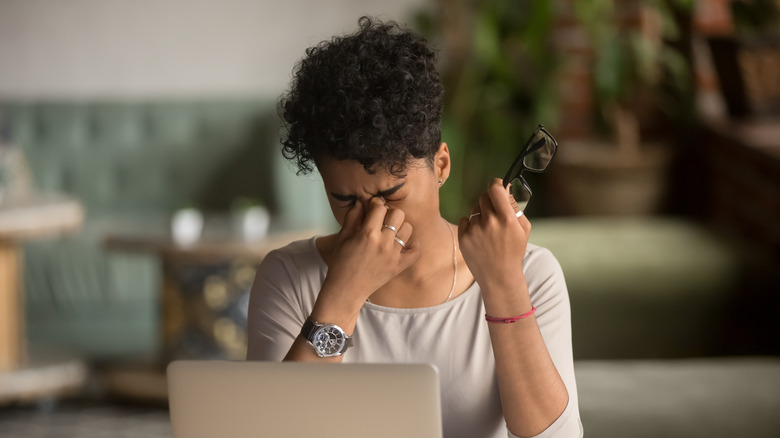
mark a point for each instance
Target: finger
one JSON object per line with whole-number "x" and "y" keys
{"x": 353, "y": 219}
{"x": 475, "y": 211}
{"x": 404, "y": 238}
{"x": 405, "y": 232}
{"x": 525, "y": 224}
{"x": 394, "y": 218}
{"x": 514, "y": 204}
{"x": 375, "y": 215}
{"x": 499, "y": 198}
{"x": 486, "y": 206}
{"x": 410, "y": 255}
{"x": 463, "y": 227}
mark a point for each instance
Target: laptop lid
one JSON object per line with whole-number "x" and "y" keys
{"x": 270, "y": 399}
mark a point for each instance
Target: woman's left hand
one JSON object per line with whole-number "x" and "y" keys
{"x": 493, "y": 239}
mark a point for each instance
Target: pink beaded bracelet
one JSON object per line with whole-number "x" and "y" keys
{"x": 511, "y": 319}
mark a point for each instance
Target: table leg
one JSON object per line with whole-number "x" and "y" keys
{"x": 173, "y": 318}
{"x": 12, "y": 345}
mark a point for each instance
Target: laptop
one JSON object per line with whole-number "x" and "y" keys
{"x": 292, "y": 399}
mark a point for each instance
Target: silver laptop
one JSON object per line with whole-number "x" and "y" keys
{"x": 268, "y": 399}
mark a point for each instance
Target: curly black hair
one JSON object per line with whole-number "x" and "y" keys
{"x": 373, "y": 96}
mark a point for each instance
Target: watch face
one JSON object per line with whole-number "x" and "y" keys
{"x": 329, "y": 341}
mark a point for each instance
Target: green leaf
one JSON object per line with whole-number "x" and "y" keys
{"x": 645, "y": 57}
{"x": 609, "y": 70}
{"x": 486, "y": 39}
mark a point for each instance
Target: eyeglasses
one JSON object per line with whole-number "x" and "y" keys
{"x": 535, "y": 157}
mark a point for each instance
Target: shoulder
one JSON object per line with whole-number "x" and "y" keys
{"x": 544, "y": 276}
{"x": 289, "y": 277}
{"x": 297, "y": 248}
{"x": 291, "y": 263}
{"x": 540, "y": 261}
{"x": 299, "y": 254}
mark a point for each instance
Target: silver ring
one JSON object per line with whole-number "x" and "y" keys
{"x": 400, "y": 242}
{"x": 390, "y": 227}
{"x": 519, "y": 213}
{"x": 474, "y": 214}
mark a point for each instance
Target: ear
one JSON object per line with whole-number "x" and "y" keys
{"x": 441, "y": 163}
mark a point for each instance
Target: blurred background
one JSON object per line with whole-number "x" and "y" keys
{"x": 141, "y": 182}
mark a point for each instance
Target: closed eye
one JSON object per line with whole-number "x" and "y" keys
{"x": 350, "y": 199}
{"x": 343, "y": 198}
{"x": 389, "y": 192}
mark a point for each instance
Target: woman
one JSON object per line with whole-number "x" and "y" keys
{"x": 397, "y": 279}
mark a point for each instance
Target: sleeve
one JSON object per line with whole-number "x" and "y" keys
{"x": 275, "y": 315}
{"x": 550, "y": 296}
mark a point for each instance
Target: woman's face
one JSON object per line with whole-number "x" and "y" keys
{"x": 416, "y": 193}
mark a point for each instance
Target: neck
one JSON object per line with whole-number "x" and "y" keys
{"x": 428, "y": 282}
{"x": 436, "y": 251}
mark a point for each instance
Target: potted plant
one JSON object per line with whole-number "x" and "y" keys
{"x": 622, "y": 170}
{"x": 497, "y": 66}
{"x": 747, "y": 63}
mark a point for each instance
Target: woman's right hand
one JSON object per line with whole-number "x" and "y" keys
{"x": 364, "y": 258}
{"x": 366, "y": 254}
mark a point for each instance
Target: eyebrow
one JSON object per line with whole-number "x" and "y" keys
{"x": 381, "y": 194}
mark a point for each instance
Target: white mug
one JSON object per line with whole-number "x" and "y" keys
{"x": 186, "y": 226}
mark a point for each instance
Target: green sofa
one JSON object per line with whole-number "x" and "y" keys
{"x": 655, "y": 287}
{"x": 674, "y": 327}
{"x": 128, "y": 160}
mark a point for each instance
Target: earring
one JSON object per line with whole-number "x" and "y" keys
{"x": 441, "y": 182}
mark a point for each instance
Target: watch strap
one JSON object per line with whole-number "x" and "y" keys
{"x": 307, "y": 329}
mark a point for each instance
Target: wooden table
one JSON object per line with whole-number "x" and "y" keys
{"x": 184, "y": 312}
{"x": 20, "y": 219}
{"x": 219, "y": 240}
{"x": 30, "y": 217}
{"x": 219, "y": 243}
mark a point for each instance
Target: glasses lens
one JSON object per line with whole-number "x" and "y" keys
{"x": 520, "y": 191}
{"x": 540, "y": 152}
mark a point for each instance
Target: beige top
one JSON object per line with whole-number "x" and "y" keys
{"x": 453, "y": 336}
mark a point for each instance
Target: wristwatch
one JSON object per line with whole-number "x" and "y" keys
{"x": 328, "y": 340}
